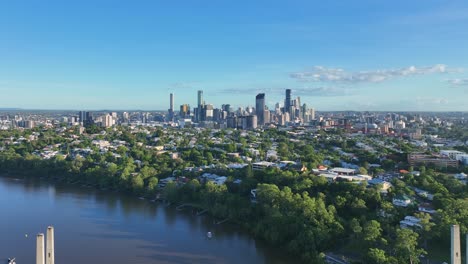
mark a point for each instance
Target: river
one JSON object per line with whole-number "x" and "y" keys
{"x": 93, "y": 226}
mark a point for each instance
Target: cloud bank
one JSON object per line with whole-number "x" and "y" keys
{"x": 338, "y": 75}
{"x": 301, "y": 91}
{"x": 458, "y": 82}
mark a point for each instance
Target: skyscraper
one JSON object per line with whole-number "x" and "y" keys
{"x": 200, "y": 103}
{"x": 287, "y": 101}
{"x": 171, "y": 103}
{"x": 184, "y": 111}
{"x": 171, "y": 107}
{"x": 200, "y": 98}
{"x": 82, "y": 117}
{"x": 260, "y": 108}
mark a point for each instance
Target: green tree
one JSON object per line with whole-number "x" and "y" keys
{"x": 372, "y": 231}
{"x": 152, "y": 184}
{"x": 363, "y": 170}
{"x": 376, "y": 256}
{"x": 406, "y": 246}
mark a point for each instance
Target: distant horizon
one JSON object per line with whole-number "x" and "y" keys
{"x": 176, "y": 110}
{"x": 335, "y": 55}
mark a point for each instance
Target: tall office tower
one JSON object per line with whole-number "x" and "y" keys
{"x": 126, "y": 116}
{"x": 171, "y": 107}
{"x": 208, "y": 112}
{"x": 200, "y": 98}
{"x": 298, "y": 107}
{"x": 312, "y": 113}
{"x": 260, "y": 108}
{"x": 200, "y": 103}
{"x": 88, "y": 119}
{"x": 226, "y": 107}
{"x": 266, "y": 116}
{"x": 287, "y": 101}
{"x": 107, "y": 121}
{"x": 277, "y": 108}
{"x": 171, "y": 101}
{"x": 304, "y": 112}
{"x": 455, "y": 249}
{"x": 184, "y": 111}
{"x": 82, "y": 117}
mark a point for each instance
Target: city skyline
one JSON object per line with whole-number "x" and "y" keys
{"x": 358, "y": 56}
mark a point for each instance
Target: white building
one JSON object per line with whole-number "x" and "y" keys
{"x": 460, "y": 176}
{"x": 401, "y": 200}
{"x": 262, "y": 165}
{"x": 426, "y": 208}
{"x": 463, "y": 158}
{"x": 410, "y": 222}
{"x": 451, "y": 153}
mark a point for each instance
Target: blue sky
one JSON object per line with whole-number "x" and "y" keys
{"x": 335, "y": 55}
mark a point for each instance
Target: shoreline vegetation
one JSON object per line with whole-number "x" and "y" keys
{"x": 294, "y": 210}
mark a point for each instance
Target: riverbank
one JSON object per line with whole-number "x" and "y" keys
{"x": 116, "y": 228}
{"x": 200, "y": 208}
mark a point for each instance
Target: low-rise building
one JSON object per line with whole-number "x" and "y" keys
{"x": 417, "y": 159}
{"x": 426, "y": 208}
{"x": 343, "y": 171}
{"x": 262, "y": 165}
{"x": 385, "y": 185}
{"x": 410, "y": 222}
{"x": 401, "y": 200}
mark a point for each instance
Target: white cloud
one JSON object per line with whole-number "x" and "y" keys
{"x": 458, "y": 82}
{"x": 324, "y": 74}
{"x": 304, "y": 91}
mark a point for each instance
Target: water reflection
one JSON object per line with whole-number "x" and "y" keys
{"x": 117, "y": 228}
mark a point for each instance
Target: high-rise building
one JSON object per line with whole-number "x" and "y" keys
{"x": 171, "y": 107}
{"x": 287, "y": 101}
{"x": 249, "y": 122}
{"x": 200, "y": 98}
{"x": 266, "y": 116}
{"x": 171, "y": 101}
{"x": 82, "y": 117}
{"x": 107, "y": 121}
{"x": 184, "y": 111}
{"x": 260, "y": 108}
{"x": 226, "y": 107}
{"x": 89, "y": 118}
{"x": 126, "y": 116}
{"x": 304, "y": 113}
{"x": 200, "y": 103}
{"x": 208, "y": 112}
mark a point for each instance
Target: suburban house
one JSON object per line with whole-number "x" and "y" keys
{"x": 426, "y": 208}
{"x": 262, "y": 165}
{"x": 385, "y": 185}
{"x": 410, "y": 222}
{"x": 401, "y": 200}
